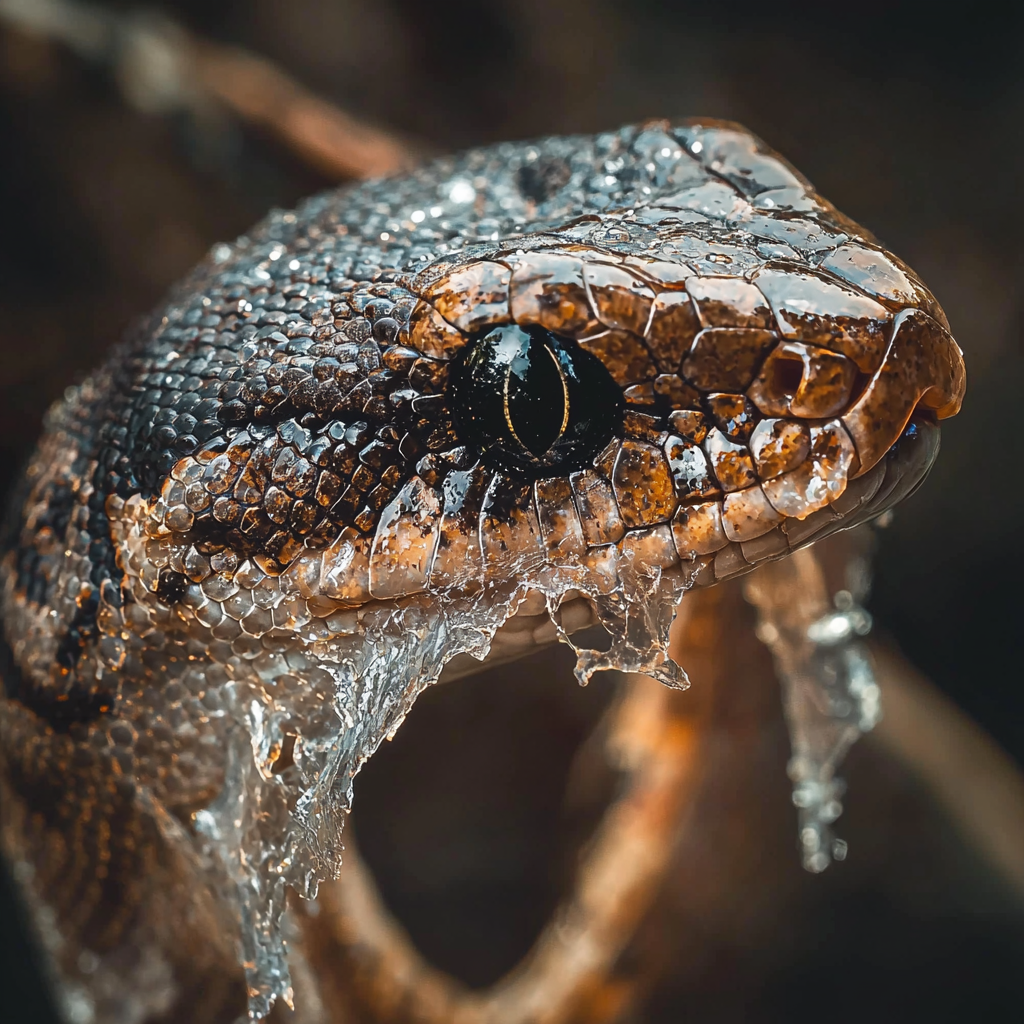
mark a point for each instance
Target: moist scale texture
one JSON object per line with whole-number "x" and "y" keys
{"x": 521, "y": 389}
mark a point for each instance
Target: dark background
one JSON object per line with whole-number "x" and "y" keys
{"x": 907, "y": 117}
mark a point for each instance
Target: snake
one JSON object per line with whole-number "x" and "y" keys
{"x": 515, "y": 393}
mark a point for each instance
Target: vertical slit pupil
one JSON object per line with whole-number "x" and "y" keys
{"x": 536, "y": 398}
{"x": 534, "y": 403}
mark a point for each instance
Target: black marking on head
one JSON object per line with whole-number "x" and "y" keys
{"x": 59, "y": 709}
{"x": 80, "y": 632}
{"x": 58, "y": 502}
{"x": 54, "y": 507}
{"x": 543, "y": 178}
{"x": 171, "y": 586}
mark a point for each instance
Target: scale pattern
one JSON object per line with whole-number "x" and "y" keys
{"x": 272, "y": 454}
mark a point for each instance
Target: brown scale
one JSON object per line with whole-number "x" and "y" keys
{"x": 559, "y": 521}
{"x": 698, "y": 530}
{"x": 642, "y": 395}
{"x": 599, "y": 511}
{"x": 403, "y": 551}
{"x": 779, "y": 446}
{"x": 432, "y": 335}
{"x": 883, "y": 276}
{"x": 691, "y": 470}
{"x": 458, "y": 544}
{"x": 642, "y": 484}
{"x": 673, "y": 326}
{"x": 644, "y": 426}
{"x": 509, "y": 528}
{"x": 674, "y": 390}
{"x": 727, "y": 357}
{"x": 734, "y": 415}
{"x": 620, "y": 301}
{"x": 689, "y": 424}
{"x": 730, "y": 461}
{"x": 548, "y": 289}
{"x": 473, "y": 296}
{"x": 625, "y": 355}
{"x": 730, "y": 302}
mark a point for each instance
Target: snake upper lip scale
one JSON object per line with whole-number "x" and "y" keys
{"x": 521, "y": 377}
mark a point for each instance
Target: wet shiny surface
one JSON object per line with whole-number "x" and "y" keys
{"x": 911, "y": 133}
{"x": 267, "y": 496}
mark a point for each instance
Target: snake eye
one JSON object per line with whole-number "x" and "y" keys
{"x": 533, "y": 402}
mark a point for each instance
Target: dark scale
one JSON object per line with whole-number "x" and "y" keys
{"x": 171, "y": 586}
{"x": 60, "y": 709}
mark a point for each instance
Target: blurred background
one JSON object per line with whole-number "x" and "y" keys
{"x": 909, "y": 120}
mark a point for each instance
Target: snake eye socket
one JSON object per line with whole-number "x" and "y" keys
{"x": 533, "y": 402}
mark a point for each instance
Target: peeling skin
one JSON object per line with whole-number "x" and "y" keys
{"x": 263, "y": 527}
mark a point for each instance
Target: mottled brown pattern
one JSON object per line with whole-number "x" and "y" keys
{"x": 274, "y": 454}
{"x": 779, "y": 445}
{"x": 727, "y": 357}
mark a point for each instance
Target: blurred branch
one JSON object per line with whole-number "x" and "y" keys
{"x": 322, "y": 134}
{"x": 161, "y": 68}
{"x": 978, "y": 785}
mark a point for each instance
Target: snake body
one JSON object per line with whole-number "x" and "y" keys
{"x": 281, "y": 457}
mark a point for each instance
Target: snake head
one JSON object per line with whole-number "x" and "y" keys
{"x": 658, "y": 345}
{"x": 758, "y": 370}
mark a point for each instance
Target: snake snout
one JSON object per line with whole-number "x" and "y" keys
{"x": 923, "y": 368}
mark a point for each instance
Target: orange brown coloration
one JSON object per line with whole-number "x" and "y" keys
{"x": 779, "y": 445}
{"x": 923, "y": 366}
{"x": 273, "y": 468}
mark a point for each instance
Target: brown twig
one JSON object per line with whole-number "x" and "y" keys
{"x": 976, "y": 783}
{"x": 319, "y": 132}
{"x": 161, "y": 68}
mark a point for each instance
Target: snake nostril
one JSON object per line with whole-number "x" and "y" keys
{"x": 787, "y": 375}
